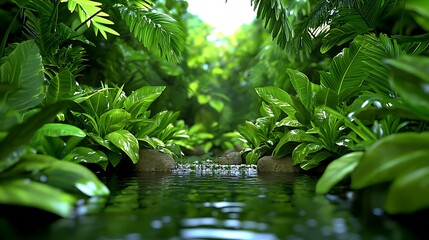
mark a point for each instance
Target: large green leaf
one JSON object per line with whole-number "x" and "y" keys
{"x": 24, "y": 192}
{"x": 346, "y": 72}
{"x": 313, "y": 160}
{"x": 337, "y": 171}
{"x": 277, "y": 97}
{"x": 9, "y": 116}
{"x": 409, "y": 192}
{"x": 114, "y": 119}
{"x": 386, "y": 159}
{"x": 58, "y": 130}
{"x": 410, "y": 79}
{"x": 303, "y": 87}
{"x": 86, "y": 155}
{"x": 125, "y": 141}
{"x": 21, "y": 134}
{"x": 70, "y": 177}
{"x": 23, "y": 70}
{"x": 422, "y": 10}
{"x": 327, "y": 97}
{"x": 61, "y": 87}
{"x": 301, "y": 153}
{"x": 251, "y": 134}
{"x": 295, "y": 135}
{"x": 138, "y": 101}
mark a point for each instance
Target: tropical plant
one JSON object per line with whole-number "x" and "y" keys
{"x": 299, "y": 27}
{"x": 399, "y": 159}
{"x": 118, "y": 124}
{"x": 29, "y": 179}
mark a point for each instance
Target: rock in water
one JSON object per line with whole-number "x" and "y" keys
{"x": 232, "y": 158}
{"x": 281, "y": 165}
{"x": 154, "y": 161}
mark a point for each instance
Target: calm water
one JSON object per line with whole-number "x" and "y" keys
{"x": 207, "y": 206}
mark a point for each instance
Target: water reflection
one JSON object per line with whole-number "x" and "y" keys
{"x": 191, "y": 206}
{"x": 208, "y": 233}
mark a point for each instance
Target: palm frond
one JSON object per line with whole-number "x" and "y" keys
{"x": 413, "y": 45}
{"x": 345, "y": 75}
{"x": 336, "y": 22}
{"x": 354, "y": 18}
{"x": 158, "y": 32}
{"x": 376, "y": 49}
{"x": 276, "y": 19}
{"x": 90, "y": 12}
{"x": 361, "y": 67}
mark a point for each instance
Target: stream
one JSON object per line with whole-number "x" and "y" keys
{"x": 218, "y": 202}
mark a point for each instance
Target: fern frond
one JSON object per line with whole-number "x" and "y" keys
{"x": 158, "y": 32}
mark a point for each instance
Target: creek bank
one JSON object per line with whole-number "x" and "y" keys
{"x": 155, "y": 161}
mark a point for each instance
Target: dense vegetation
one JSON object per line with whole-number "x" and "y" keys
{"x": 88, "y": 83}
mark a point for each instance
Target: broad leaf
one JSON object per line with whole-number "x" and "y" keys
{"x": 295, "y": 135}
{"x": 24, "y": 192}
{"x": 327, "y": 97}
{"x": 112, "y": 120}
{"x": 303, "y": 87}
{"x": 313, "y": 160}
{"x": 409, "y": 192}
{"x": 70, "y": 177}
{"x": 411, "y": 79}
{"x": 125, "y": 141}
{"x": 337, "y": 171}
{"x": 58, "y": 130}
{"x": 139, "y": 101}
{"x": 23, "y": 70}
{"x": 389, "y": 157}
{"x": 21, "y": 134}
{"x": 278, "y": 98}
{"x": 346, "y": 72}
{"x": 61, "y": 87}
{"x": 85, "y": 155}
{"x": 301, "y": 152}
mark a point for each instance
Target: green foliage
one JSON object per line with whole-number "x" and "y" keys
{"x": 337, "y": 170}
{"x": 158, "y": 32}
{"x": 402, "y": 160}
{"x": 118, "y": 124}
{"x": 46, "y": 183}
{"x": 22, "y": 77}
{"x": 301, "y": 26}
{"x": 27, "y": 179}
{"x": 23, "y": 192}
{"x": 410, "y": 79}
{"x": 398, "y": 159}
{"x": 90, "y": 12}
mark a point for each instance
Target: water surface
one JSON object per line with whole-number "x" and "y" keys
{"x": 214, "y": 206}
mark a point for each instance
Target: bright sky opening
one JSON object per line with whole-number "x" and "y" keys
{"x": 226, "y": 18}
